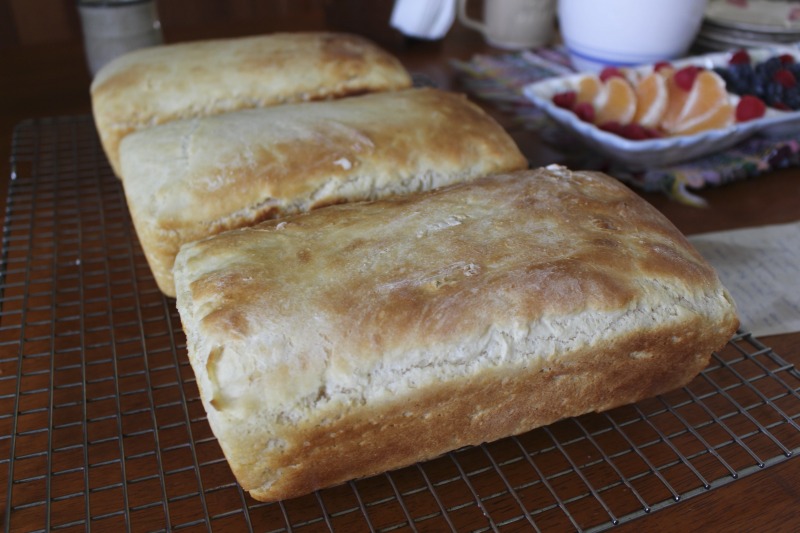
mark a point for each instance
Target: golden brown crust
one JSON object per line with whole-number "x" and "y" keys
{"x": 365, "y": 337}
{"x": 481, "y": 409}
{"x": 160, "y": 84}
{"x": 190, "y": 179}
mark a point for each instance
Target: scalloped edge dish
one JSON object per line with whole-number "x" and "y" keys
{"x": 664, "y": 151}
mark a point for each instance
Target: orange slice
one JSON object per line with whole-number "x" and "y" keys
{"x": 676, "y": 100}
{"x": 707, "y": 94}
{"x": 720, "y": 117}
{"x": 651, "y": 99}
{"x": 616, "y": 102}
{"x": 698, "y": 107}
{"x": 588, "y": 88}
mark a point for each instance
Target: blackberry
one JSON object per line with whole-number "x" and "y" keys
{"x": 770, "y": 65}
{"x": 739, "y": 77}
{"x": 768, "y": 80}
{"x": 773, "y": 94}
{"x": 792, "y": 99}
{"x": 759, "y": 86}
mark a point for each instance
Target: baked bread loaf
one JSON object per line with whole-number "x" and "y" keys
{"x": 190, "y": 179}
{"x": 164, "y": 83}
{"x": 364, "y": 337}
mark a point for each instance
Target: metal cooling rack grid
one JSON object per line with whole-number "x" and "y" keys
{"x": 101, "y": 425}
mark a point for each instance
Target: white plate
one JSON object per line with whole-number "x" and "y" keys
{"x": 666, "y": 150}
{"x": 739, "y": 38}
{"x": 758, "y": 15}
{"x": 719, "y": 42}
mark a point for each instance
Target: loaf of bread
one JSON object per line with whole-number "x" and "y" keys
{"x": 364, "y": 337}
{"x": 190, "y": 179}
{"x": 164, "y": 83}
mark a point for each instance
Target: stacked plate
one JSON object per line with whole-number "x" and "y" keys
{"x": 732, "y": 24}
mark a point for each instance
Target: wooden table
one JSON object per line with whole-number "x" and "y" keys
{"x": 52, "y": 80}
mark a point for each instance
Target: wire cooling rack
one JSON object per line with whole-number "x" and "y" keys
{"x": 101, "y": 425}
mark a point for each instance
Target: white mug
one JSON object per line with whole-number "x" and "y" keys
{"x": 513, "y": 24}
{"x": 628, "y": 32}
{"x": 424, "y": 19}
{"x": 112, "y": 28}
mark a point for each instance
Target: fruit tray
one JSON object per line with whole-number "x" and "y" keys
{"x": 664, "y": 151}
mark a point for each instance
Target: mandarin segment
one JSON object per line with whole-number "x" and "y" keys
{"x": 676, "y": 99}
{"x": 721, "y": 117}
{"x": 705, "y": 97}
{"x": 616, "y": 103}
{"x": 588, "y": 88}
{"x": 651, "y": 99}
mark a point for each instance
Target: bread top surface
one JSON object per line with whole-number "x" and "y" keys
{"x": 378, "y": 297}
{"x": 181, "y": 79}
{"x": 296, "y": 157}
{"x": 164, "y": 83}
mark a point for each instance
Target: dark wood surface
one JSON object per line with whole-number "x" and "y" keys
{"x": 51, "y": 79}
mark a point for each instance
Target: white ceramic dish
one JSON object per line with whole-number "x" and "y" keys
{"x": 664, "y": 151}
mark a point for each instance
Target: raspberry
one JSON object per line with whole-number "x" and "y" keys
{"x": 634, "y": 131}
{"x": 612, "y": 127}
{"x": 749, "y": 108}
{"x": 786, "y": 59}
{"x": 653, "y": 133}
{"x": 610, "y": 72}
{"x": 685, "y": 77}
{"x": 662, "y": 64}
{"x": 740, "y": 57}
{"x": 566, "y": 99}
{"x": 785, "y": 78}
{"x": 585, "y": 111}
